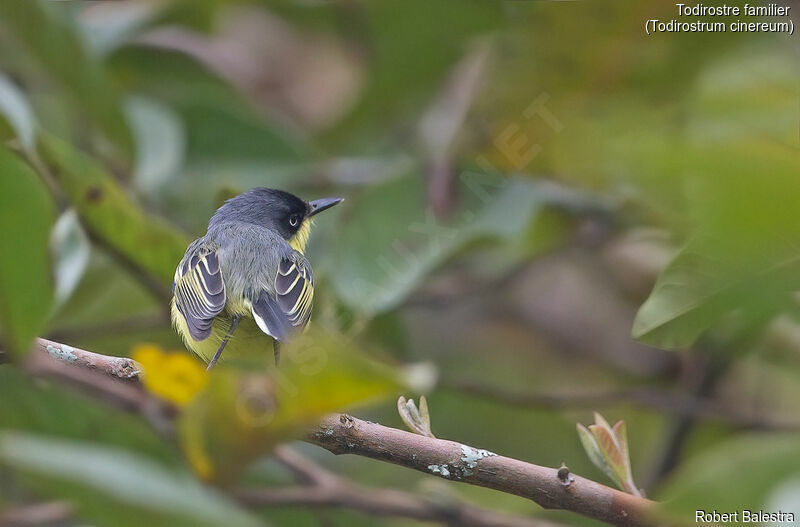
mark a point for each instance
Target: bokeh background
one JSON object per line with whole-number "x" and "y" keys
{"x": 528, "y": 184}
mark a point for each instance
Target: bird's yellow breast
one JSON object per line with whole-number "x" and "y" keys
{"x": 300, "y": 238}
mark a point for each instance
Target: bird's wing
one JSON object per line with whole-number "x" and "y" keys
{"x": 199, "y": 291}
{"x": 290, "y": 308}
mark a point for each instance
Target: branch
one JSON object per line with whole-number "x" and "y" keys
{"x": 324, "y": 489}
{"x": 114, "y": 378}
{"x": 707, "y": 372}
{"x": 120, "y": 367}
{"x": 343, "y": 434}
{"x": 157, "y": 289}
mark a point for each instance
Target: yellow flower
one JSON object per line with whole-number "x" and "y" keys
{"x": 173, "y": 376}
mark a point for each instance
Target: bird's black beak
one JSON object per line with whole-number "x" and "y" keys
{"x": 318, "y": 205}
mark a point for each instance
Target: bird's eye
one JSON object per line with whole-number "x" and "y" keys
{"x": 294, "y": 220}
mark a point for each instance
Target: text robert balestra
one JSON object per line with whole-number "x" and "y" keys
{"x": 742, "y": 516}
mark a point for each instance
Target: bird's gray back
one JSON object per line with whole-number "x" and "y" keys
{"x": 248, "y": 255}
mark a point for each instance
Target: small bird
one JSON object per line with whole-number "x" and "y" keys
{"x": 248, "y": 269}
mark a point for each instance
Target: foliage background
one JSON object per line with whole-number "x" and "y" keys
{"x": 526, "y": 184}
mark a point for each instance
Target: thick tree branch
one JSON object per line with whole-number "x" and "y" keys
{"x": 343, "y": 434}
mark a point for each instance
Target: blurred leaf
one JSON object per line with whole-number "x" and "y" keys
{"x": 243, "y": 414}
{"x": 235, "y": 132}
{"x": 26, "y": 283}
{"x": 173, "y": 376}
{"x": 227, "y": 143}
{"x": 683, "y": 304}
{"x": 33, "y": 406}
{"x": 150, "y": 244}
{"x": 785, "y": 498}
{"x": 125, "y": 489}
{"x": 408, "y": 56}
{"x": 714, "y": 480}
{"x": 744, "y": 253}
{"x": 70, "y": 248}
{"x": 57, "y": 50}
{"x": 16, "y": 114}
{"x": 752, "y": 94}
{"x": 160, "y": 142}
{"x": 623, "y": 101}
{"x": 106, "y": 27}
{"x": 200, "y": 15}
{"x": 218, "y": 122}
{"x": 389, "y": 241}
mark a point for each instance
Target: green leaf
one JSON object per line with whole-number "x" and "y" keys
{"x": 245, "y": 412}
{"x": 26, "y": 282}
{"x": 389, "y": 242}
{"x": 740, "y": 197}
{"x": 123, "y": 488}
{"x": 740, "y": 474}
{"x": 44, "y": 408}
{"x": 55, "y": 48}
{"x": 683, "y": 304}
{"x": 592, "y": 450}
{"x": 219, "y": 123}
{"x": 151, "y": 245}
{"x": 743, "y": 256}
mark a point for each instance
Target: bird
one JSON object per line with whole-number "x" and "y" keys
{"x": 248, "y": 272}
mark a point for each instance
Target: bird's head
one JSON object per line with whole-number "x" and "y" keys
{"x": 284, "y": 213}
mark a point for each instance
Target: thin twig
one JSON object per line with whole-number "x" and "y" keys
{"x": 322, "y": 488}
{"x": 707, "y": 373}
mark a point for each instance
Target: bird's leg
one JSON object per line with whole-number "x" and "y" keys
{"x": 276, "y": 349}
{"x": 234, "y": 324}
